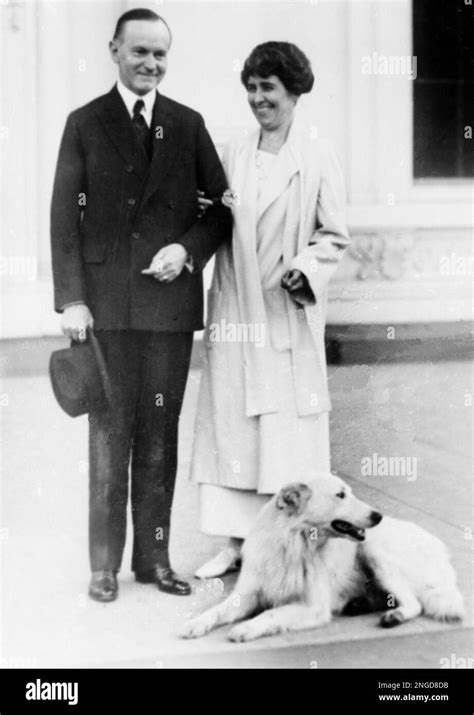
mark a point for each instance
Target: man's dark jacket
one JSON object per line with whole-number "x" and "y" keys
{"x": 113, "y": 210}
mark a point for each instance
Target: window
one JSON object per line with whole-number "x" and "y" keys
{"x": 443, "y": 43}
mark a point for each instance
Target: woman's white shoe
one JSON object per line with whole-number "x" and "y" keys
{"x": 223, "y": 562}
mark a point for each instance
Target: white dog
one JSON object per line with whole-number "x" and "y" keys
{"x": 296, "y": 572}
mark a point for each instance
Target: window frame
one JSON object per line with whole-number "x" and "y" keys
{"x": 381, "y": 146}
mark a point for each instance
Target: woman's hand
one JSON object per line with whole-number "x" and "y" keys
{"x": 297, "y": 285}
{"x": 293, "y": 280}
{"x": 203, "y": 204}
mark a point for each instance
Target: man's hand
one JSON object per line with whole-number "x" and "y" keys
{"x": 168, "y": 263}
{"x": 75, "y": 320}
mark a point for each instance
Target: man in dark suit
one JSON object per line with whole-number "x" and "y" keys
{"x": 128, "y": 253}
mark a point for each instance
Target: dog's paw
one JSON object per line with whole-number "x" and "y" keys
{"x": 195, "y": 628}
{"x": 391, "y": 619}
{"x": 242, "y": 633}
{"x": 451, "y": 617}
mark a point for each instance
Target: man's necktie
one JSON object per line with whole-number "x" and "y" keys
{"x": 141, "y": 127}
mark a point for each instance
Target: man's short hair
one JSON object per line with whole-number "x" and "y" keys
{"x": 137, "y": 14}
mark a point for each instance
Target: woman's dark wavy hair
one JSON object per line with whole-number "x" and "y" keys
{"x": 284, "y": 60}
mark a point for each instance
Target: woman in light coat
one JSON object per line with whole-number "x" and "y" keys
{"x": 262, "y": 417}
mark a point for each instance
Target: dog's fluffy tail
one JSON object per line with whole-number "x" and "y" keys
{"x": 444, "y": 603}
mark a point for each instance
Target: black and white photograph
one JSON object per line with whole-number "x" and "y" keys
{"x": 236, "y": 339}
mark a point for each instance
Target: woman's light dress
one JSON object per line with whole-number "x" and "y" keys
{"x": 270, "y": 449}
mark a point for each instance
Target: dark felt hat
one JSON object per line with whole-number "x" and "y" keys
{"x": 79, "y": 377}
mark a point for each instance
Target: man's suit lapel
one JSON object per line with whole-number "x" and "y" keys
{"x": 165, "y": 142}
{"x": 165, "y": 145}
{"x": 118, "y": 125}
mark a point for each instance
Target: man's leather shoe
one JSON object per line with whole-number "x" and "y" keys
{"x": 166, "y": 580}
{"x": 103, "y": 586}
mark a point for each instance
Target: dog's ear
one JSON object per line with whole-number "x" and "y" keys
{"x": 293, "y": 498}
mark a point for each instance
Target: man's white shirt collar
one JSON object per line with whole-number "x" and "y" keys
{"x": 130, "y": 98}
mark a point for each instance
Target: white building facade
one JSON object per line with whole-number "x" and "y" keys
{"x": 411, "y": 260}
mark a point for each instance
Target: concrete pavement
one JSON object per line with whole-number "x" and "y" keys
{"x": 417, "y": 410}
